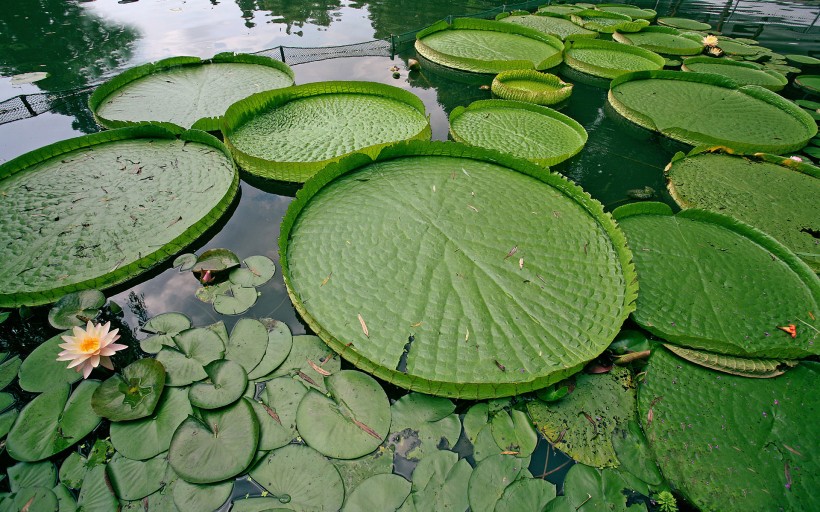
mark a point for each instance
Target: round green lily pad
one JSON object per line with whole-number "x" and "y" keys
{"x": 247, "y": 343}
{"x": 684, "y": 23}
{"x": 35, "y": 499}
{"x": 218, "y": 445}
{"x": 606, "y": 22}
{"x": 136, "y": 479}
{"x": 32, "y": 474}
{"x": 738, "y": 49}
{"x": 803, "y": 60}
{"x": 490, "y": 478}
{"x": 226, "y": 383}
{"x": 215, "y": 260}
{"x": 608, "y": 59}
{"x": 539, "y": 134}
{"x": 41, "y": 371}
{"x": 157, "y": 191}
{"x": 747, "y": 284}
{"x": 308, "y": 353}
{"x": 199, "y": 497}
{"x": 440, "y": 482}
{"x": 185, "y": 261}
{"x": 163, "y": 327}
{"x": 300, "y": 479}
{"x": 96, "y": 494}
{"x": 633, "y": 11}
{"x": 349, "y": 423}
{"x": 482, "y": 46}
{"x": 744, "y": 73}
{"x": 585, "y": 419}
{"x": 733, "y": 443}
{"x": 422, "y": 423}
{"x": 775, "y": 194}
{"x": 559, "y": 27}
{"x": 260, "y": 270}
{"x": 194, "y": 348}
{"x": 379, "y": 492}
{"x": 236, "y": 300}
{"x": 280, "y": 401}
{"x": 590, "y": 489}
{"x": 132, "y": 395}
{"x": 76, "y": 309}
{"x": 8, "y": 371}
{"x": 52, "y": 422}
{"x": 186, "y": 91}
{"x": 702, "y": 108}
{"x": 147, "y": 437}
{"x": 664, "y": 40}
{"x": 526, "y": 494}
{"x": 809, "y": 83}
{"x": 290, "y": 134}
{"x": 531, "y": 86}
{"x": 513, "y": 433}
{"x": 445, "y": 239}
{"x": 277, "y": 349}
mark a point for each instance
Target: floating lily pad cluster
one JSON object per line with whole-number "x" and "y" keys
{"x": 231, "y": 288}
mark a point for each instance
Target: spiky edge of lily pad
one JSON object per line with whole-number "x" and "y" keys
{"x": 696, "y": 139}
{"x": 598, "y": 44}
{"x": 417, "y": 148}
{"x": 755, "y": 368}
{"x": 133, "y": 74}
{"x": 559, "y": 90}
{"x": 133, "y": 269}
{"x": 242, "y": 111}
{"x": 766, "y": 242}
{"x": 538, "y": 109}
{"x": 483, "y": 65}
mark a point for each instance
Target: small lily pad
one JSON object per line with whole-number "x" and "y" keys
{"x": 72, "y": 470}
{"x": 7, "y": 420}
{"x": 132, "y": 395}
{"x": 278, "y": 347}
{"x": 421, "y": 424}
{"x": 490, "y": 479}
{"x": 147, "y": 437}
{"x": 304, "y": 351}
{"x": 164, "y": 327}
{"x": 200, "y": 497}
{"x": 349, "y": 423}
{"x": 226, "y": 383}
{"x": 526, "y": 494}
{"x": 185, "y": 261}
{"x": 215, "y": 260}
{"x": 300, "y": 478}
{"x": 76, "y": 309}
{"x": 379, "y": 492}
{"x": 219, "y": 445}
{"x": 587, "y": 489}
{"x": 32, "y": 474}
{"x": 194, "y": 349}
{"x": 440, "y": 482}
{"x": 41, "y": 371}
{"x": 136, "y": 479}
{"x": 260, "y": 270}
{"x": 247, "y": 343}
{"x": 513, "y": 432}
{"x": 53, "y": 422}
{"x": 96, "y": 494}
{"x": 35, "y": 499}
{"x": 236, "y": 300}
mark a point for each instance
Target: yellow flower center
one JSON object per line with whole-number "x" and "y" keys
{"x": 89, "y": 344}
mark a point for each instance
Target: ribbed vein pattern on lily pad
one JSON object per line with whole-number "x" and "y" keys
{"x": 608, "y": 59}
{"x": 664, "y": 40}
{"x": 702, "y": 108}
{"x": 540, "y": 134}
{"x": 454, "y": 270}
{"x": 559, "y": 27}
{"x": 290, "y": 134}
{"x": 711, "y": 282}
{"x": 775, "y": 194}
{"x": 186, "y": 91}
{"x": 483, "y": 46}
{"x": 531, "y": 86}
{"x": 731, "y": 443}
{"x": 744, "y": 73}
{"x": 109, "y": 206}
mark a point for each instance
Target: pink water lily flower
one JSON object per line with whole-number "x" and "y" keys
{"x": 91, "y": 347}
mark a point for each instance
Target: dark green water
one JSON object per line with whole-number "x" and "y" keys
{"x": 82, "y": 43}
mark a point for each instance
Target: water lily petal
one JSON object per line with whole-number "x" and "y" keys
{"x": 87, "y": 370}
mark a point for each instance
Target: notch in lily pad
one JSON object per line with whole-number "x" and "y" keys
{"x": 132, "y": 395}
{"x": 230, "y": 288}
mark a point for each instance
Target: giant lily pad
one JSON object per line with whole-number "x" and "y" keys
{"x": 531, "y": 86}
{"x": 53, "y": 422}
{"x": 633, "y": 11}
{"x": 451, "y": 300}
{"x": 664, "y": 40}
{"x": 186, "y": 91}
{"x": 775, "y": 194}
{"x": 607, "y": 22}
{"x": 482, "y": 46}
{"x": 132, "y": 395}
{"x": 110, "y": 205}
{"x": 218, "y": 445}
{"x": 608, "y": 59}
{"x": 349, "y": 423}
{"x": 744, "y": 73}
{"x": 300, "y": 478}
{"x": 701, "y": 108}
{"x": 732, "y": 443}
{"x": 683, "y": 23}
{"x": 582, "y": 423}
{"x": 747, "y": 284}
{"x": 147, "y": 437}
{"x": 292, "y": 133}
{"x": 539, "y": 134}
{"x": 548, "y": 24}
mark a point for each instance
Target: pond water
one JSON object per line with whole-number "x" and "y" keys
{"x": 82, "y": 43}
